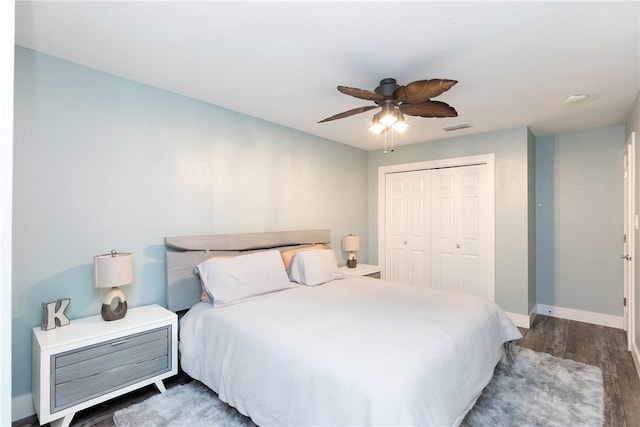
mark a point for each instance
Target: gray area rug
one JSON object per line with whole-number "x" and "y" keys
{"x": 535, "y": 390}
{"x": 540, "y": 390}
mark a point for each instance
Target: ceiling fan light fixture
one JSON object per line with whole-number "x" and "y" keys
{"x": 400, "y": 126}
{"x": 389, "y": 115}
{"x": 377, "y": 128}
{"x": 388, "y": 119}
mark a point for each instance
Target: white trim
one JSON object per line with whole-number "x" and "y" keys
{"x": 581, "y": 315}
{"x": 22, "y": 407}
{"x": 635, "y": 354}
{"x": 630, "y": 285}
{"x": 489, "y": 160}
{"x": 521, "y": 320}
{"x": 532, "y": 315}
{"x": 7, "y": 59}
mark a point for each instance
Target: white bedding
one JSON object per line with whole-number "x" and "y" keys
{"x": 357, "y": 351}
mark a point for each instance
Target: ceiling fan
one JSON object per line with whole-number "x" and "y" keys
{"x": 413, "y": 99}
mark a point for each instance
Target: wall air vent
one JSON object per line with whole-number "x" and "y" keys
{"x": 457, "y": 127}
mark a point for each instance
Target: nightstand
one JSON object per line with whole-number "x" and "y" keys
{"x": 91, "y": 360}
{"x": 362, "y": 270}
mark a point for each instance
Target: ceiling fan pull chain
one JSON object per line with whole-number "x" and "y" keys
{"x": 393, "y": 140}
{"x": 385, "y": 143}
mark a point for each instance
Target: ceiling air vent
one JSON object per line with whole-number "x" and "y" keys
{"x": 457, "y": 127}
{"x": 578, "y": 97}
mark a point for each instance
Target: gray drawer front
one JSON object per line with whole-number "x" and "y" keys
{"x": 83, "y": 374}
{"x": 376, "y": 275}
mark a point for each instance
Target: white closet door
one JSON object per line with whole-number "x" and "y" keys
{"x": 458, "y": 228}
{"x": 407, "y": 221}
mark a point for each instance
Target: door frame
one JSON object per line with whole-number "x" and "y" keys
{"x": 630, "y": 226}
{"x": 486, "y": 159}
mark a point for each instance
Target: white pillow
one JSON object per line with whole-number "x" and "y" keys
{"x": 231, "y": 280}
{"x": 313, "y": 268}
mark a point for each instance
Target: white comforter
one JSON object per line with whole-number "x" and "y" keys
{"x": 358, "y": 351}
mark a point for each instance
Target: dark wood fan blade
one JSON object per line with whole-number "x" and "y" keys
{"x": 429, "y": 109}
{"x": 349, "y": 113}
{"x": 422, "y": 90}
{"x": 361, "y": 93}
{"x": 400, "y": 95}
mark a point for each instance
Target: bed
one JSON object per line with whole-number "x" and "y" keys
{"x": 344, "y": 351}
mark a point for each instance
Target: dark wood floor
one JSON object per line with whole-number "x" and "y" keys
{"x": 582, "y": 342}
{"x": 596, "y": 345}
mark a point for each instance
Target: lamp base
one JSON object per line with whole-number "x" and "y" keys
{"x": 114, "y": 305}
{"x": 351, "y": 263}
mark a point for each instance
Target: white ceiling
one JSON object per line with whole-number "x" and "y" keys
{"x": 281, "y": 61}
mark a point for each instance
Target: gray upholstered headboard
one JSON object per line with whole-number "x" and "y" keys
{"x": 185, "y": 252}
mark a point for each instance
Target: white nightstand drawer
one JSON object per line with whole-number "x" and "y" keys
{"x": 83, "y": 374}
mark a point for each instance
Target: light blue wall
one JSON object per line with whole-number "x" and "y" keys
{"x": 512, "y": 181}
{"x": 580, "y": 211}
{"x": 545, "y": 208}
{"x": 104, "y": 163}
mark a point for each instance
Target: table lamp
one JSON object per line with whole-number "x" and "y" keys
{"x": 351, "y": 244}
{"x": 110, "y": 271}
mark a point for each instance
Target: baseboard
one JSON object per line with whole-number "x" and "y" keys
{"x": 635, "y": 354}
{"x": 581, "y": 316}
{"x": 22, "y": 407}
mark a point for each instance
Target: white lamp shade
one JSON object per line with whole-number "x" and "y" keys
{"x": 114, "y": 269}
{"x": 351, "y": 243}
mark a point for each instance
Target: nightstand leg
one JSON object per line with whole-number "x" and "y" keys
{"x": 160, "y": 385}
{"x": 62, "y": 422}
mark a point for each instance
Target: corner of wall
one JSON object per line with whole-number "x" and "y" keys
{"x": 531, "y": 220}
{"x": 22, "y": 407}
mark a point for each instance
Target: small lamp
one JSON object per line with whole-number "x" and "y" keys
{"x": 351, "y": 244}
{"x": 110, "y": 271}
